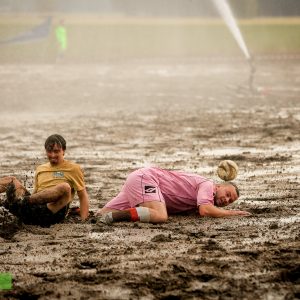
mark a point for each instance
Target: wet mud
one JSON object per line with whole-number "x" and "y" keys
{"x": 185, "y": 115}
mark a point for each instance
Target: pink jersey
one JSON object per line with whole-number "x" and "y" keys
{"x": 180, "y": 191}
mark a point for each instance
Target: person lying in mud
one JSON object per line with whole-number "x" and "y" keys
{"x": 151, "y": 194}
{"x": 55, "y": 184}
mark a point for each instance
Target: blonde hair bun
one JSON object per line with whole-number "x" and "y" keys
{"x": 227, "y": 170}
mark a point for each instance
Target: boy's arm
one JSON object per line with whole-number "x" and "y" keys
{"x": 208, "y": 210}
{"x": 84, "y": 203}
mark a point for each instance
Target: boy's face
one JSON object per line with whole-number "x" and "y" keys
{"x": 225, "y": 195}
{"x": 55, "y": 154}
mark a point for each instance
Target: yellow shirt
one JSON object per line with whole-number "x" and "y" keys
{"x": 47, "y": 176}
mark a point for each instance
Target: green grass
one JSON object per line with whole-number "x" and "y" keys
{"x": 273, "y": 38}
{"x": 98, "y": 40}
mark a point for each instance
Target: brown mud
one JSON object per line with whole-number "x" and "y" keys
{"x": 185, "y": 115}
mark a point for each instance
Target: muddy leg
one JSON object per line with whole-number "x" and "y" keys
{"x": 57, "y": 197}
{"x": 152, "y": 211}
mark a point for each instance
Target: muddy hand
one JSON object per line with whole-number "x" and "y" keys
{"x": 243, "y": 213}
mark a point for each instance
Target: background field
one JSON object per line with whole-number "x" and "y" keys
{"x": 95, "y": 39}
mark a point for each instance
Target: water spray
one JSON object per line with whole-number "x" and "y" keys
{"x": 226, "y": 13}
{"x": 252, "y": 72}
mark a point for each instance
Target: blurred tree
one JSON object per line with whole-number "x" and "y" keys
{"x": 45, "y": 6}
{"x": 279, "y": 8}
{"x": 244, "y": 9}
{"x": 241, "y": 8}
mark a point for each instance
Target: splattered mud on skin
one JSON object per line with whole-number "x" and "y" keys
{"x": 187, "y": 116}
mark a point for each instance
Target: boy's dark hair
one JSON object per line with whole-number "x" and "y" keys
{"x": 55, "y": 139}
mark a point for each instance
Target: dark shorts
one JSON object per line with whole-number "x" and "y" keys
{"x": 39, "y": 214}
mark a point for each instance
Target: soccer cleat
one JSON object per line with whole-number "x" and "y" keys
{"x": 106, "y": 219}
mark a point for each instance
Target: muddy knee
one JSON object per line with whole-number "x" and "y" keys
{"x": 9, "y": 179}
{"x": 5, "y": 181}
{"x": 64, "y": 188}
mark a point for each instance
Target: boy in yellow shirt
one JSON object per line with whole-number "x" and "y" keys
{"x": 54, "y": 188}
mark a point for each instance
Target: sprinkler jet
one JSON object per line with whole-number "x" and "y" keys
{"x": 252, "y": 72}
{"x": 225, "y": 11}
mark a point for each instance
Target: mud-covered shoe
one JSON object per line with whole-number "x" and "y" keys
{"x": 106, "y": 219}
{"x": 11, "y": 193}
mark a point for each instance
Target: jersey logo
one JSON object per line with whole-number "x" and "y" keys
{"x": 150, "y": 189}
{"x": 58, "y": 174}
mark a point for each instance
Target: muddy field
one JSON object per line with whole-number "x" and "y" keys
{"x": 185, "y": 115}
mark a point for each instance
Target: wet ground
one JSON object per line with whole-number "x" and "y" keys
{"x": 186, "y": 115}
